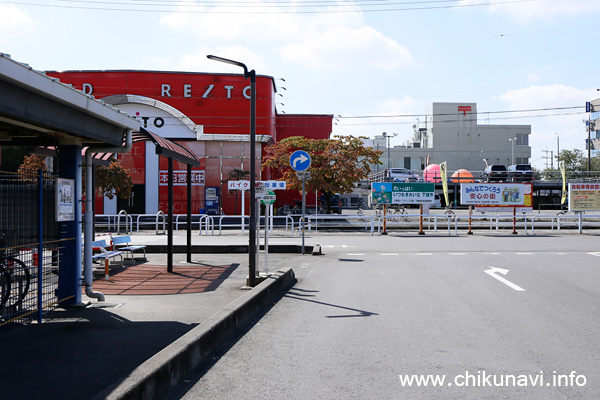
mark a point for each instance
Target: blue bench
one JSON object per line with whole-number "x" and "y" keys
{"x": 122, "y": 243}
{"x": 105, "y": 253}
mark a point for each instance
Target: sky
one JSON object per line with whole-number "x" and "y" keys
{"x": 374, "y": 64}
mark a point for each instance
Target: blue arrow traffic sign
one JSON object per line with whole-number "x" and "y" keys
{"x": 300, "y": 160}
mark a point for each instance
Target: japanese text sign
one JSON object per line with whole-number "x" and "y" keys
{"x": 502, "y": 194}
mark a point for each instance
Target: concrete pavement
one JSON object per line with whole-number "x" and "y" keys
{"x": 114, "y": 349}
{"x": 136, "y": 343}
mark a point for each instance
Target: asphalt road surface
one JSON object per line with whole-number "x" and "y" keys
{"x": 424, "y": 317}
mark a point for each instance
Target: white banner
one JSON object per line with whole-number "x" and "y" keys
{"x": 502, "y": 194}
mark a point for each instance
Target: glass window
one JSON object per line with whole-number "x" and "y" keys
{"x": 522, "y": 139}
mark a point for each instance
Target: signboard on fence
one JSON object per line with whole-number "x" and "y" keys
{"x": 402, "y": 193}
{"x": 525, "y": 208}
{"x": 584, "y": 196}
{"x": 497, "y": 194}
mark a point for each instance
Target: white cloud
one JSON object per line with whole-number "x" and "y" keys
{"x": 540, "y": 9}
{"x": 229, "y": 23}
{"x": 258, "y": 20}
{"x": 341, "y": 47}
{"x": 198, "y": 62}
{"x": 563, "y": 126}
{"x": 12, "y": 17}
{"x": 324, "y": 40}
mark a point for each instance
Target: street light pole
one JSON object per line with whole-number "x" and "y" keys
{"x": 557, "y": 148}
{"x": 513, "y": 150}
{"x": 252, "y": 236}
{"x": 388, "y": 146}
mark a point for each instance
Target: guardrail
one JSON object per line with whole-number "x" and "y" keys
{"x": 326, "y": 218}
{"x": 371, "y": 223}
{"x": 242, "y": 221}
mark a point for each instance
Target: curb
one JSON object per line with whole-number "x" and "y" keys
{"x": 166, "y": 369}
{"x": 224, "y": 249}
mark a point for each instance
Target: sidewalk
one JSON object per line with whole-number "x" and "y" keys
{"x": 77, "y": 353}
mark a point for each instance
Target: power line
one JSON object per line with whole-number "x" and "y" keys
{"x": 350, "y": 8}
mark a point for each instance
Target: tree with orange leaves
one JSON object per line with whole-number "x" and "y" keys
{"x": 336, "y": 164}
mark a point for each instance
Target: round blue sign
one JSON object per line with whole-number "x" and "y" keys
{"x": 300, "y": 160}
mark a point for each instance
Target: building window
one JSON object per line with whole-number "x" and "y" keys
{"x": 522, "y": 139}
{"x": 407, "y": 162}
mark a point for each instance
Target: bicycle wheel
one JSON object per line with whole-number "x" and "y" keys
{"x": 4, "y": 286}
{"x": 20, "y": 278}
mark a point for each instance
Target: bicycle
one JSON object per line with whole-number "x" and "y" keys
{"x": 398, "y": 213}
{"x": 12, "y": 270}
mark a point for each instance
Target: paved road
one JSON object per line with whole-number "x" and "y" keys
{"x": 374, "y": 311}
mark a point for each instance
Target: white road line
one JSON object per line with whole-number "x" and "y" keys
{"x": 457, "y": 254}
{"x": 390, "y": 254}
{"x": 493, "y": 273}
{"x": 594, "y": 254}
{"x": 424, "y": 254}
{"x": 355, "y": 254}
{"x": 524, "y": 254}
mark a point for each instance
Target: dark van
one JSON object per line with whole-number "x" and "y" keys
{"x": 335, "y": 205}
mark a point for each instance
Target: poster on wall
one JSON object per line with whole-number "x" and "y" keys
{"x": 584, "y": 196}
{"x": 65, "y": 199}
{"x": 497, "y": 194}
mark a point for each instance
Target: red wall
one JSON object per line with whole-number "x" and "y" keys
{"x": 310, "y": 126}
{"x": 224, "y": 110}
{"x": 215, "y": 101}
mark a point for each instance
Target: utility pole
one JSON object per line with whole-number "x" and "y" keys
{"x": 546, "y": 156}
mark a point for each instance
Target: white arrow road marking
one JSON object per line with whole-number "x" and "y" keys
{"x": 492, "y": 272}
{"x": 594, "y": 254}
{"x": 300, "y": 159}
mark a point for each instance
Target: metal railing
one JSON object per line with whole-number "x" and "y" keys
{"x": 371, "y": 223}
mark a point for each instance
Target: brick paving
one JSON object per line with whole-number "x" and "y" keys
{"x": 145, "y": 279}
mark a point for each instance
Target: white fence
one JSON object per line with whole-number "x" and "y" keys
{"x": 374, "y": 224}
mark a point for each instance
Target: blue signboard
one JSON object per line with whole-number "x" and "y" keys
{"x": 300, "y": 160}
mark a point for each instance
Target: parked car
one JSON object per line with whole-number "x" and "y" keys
{"x": 335, "y": 205}
{"x": 520, "y": 173}
{"x": 494, "y": 173}
{"x": 401, "y": 175}
{"x": 437, "y": 201}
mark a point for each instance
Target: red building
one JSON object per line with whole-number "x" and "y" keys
{"x": 209, "y": 114}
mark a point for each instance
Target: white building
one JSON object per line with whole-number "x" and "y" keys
{"x": 451, "y": 133}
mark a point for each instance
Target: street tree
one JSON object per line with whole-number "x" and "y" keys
{"x": 336, "y": 164}
{"x": 574, "y": 160}
{"x": 114, "y": 180}
{"x": 30, "y": 165}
